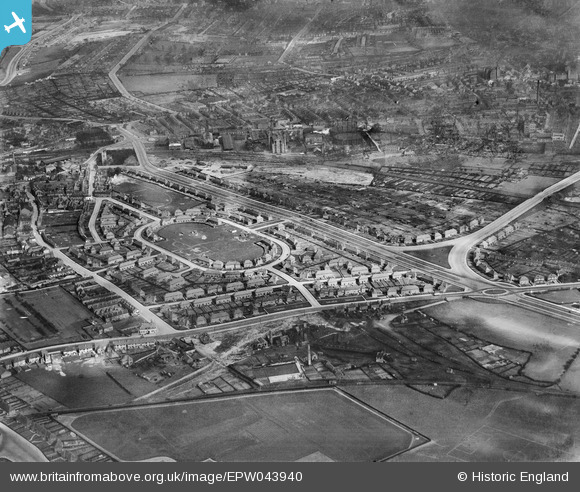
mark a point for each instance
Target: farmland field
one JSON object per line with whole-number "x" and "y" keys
{"x": 482, "y": 425}
{"x": 36, "y": 317}
{"x": 223, "y": 243}
{"x": 285, "y": 426}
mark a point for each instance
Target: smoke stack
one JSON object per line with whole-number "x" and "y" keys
{"x": 309, "y": 356}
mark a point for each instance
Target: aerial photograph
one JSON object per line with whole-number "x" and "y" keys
{"x": 290, "y": 230}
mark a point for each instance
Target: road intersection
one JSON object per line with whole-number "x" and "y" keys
{"x": 459, "y": 274}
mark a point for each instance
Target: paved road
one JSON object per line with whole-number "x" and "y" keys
{"x": 139, "y": 235}
{"x": 459, "y": 274}
{"x": 270, "y": 266}
{"x": 238, "y": 324}
{"x": 145, "y": 313}
{"x": 459, "y": 253}
{"x": 284, "y": 247}
{"x": 12, "y": 69}
{"x": 93, "y": 220}
{"x": 298, "y": 285}
{"x": 113, "y": 73}
{"x": 352, "y": 239}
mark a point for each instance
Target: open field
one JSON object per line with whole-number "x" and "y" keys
{"x": 529, "y": 185}
{"x": 223, "y": 243}
{"x": 552, "y": 342}
{"x": 168, "y": 82}
{"x": 266, "y": 427}
{"x": 88, "y": 383}
{"x": 36, "y": 317}
{"x": 154, "y": 195}
{"x": 436, "y": 255}
{"x": 570, "y": 296}
{"x": 398, "y": 202}
{"x": 482, "y": 425}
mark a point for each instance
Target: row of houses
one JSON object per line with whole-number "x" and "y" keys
{"x": 522, "y": 280}
{"x": 189, "y": 314}
{"x": 102, "y": 302}
{"x": 68, "y": 445}
{"x": 241, "y": 295}
{"x": 446, "y": 234}
{"x": 506, "y": 231}
{"x": 392, "y": 291}
{"x": 402, "y": 286}
{"x": 111, "y": 254}
{"x": 154, "y": 285}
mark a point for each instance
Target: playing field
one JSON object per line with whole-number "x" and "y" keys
{"x": 223, "y": 243}
{"x": 38, "y": 316}
{"x": 285, "y": 426}
{"x": 155, "y": 196}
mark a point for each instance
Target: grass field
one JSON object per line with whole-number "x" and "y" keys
{"x": 482, "y": 425}
{"x": 36, "y": 317}
{"x": 218, "y": 243}
{"x": 167, "y": 82}
{"x": 438, "y": 256}
{"x": 87, "y": 384}
{"x": 154, "y": 195}
{"x": 569, "y": 296}
{"x": 265, "y": 427}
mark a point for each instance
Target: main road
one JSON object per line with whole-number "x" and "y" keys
{"x": 113, "y": 73}
{"x": 12, "y": 69}
{"x": 459, "y": 273}
{"x": 322, "y": 228}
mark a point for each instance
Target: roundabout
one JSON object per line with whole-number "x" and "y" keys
{"x": 495, "y": 292}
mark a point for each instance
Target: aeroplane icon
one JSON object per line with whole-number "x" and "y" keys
{"x": 17, "y": 23}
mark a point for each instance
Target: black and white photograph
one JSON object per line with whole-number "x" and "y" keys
{"x": 290, "y": 231}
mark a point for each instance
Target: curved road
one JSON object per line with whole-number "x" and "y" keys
{"x": 113, "y": 73}
{"x": 162, "y": 327}
{"x": 15, "y": 448}
{"x": 459, "y": 274}
{"x": 12, "y": 69}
